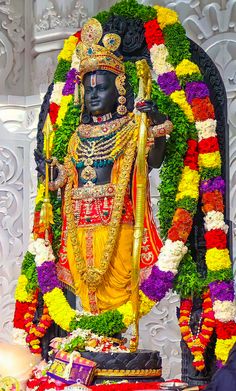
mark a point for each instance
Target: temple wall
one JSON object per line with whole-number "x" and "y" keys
{"x": 31, "y": 35}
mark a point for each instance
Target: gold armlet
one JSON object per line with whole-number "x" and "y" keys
{"x": 162, "y": 129}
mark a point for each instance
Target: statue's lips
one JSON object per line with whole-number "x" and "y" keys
{"x": 95, "y": 102}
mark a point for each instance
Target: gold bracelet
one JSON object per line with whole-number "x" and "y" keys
{"x": 162, "y": 129}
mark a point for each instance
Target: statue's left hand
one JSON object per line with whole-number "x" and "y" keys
{"x": 149, "y": 107}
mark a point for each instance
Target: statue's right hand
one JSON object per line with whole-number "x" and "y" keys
{"x": 41, "y": 165}
{"x": 53, "y": 169}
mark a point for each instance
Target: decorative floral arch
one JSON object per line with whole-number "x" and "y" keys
{"x": 192, "y": 169}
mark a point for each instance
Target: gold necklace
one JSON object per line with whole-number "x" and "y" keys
{"x": 87, "y": 131}
{"x": 90, "y": 275}
{"x": 98, "y": 152}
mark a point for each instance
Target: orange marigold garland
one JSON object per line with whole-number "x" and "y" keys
{"x": 36, "y": 331}
{"x": 197, "y": 343}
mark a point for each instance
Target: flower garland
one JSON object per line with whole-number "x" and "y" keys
{"x": 198, "y": 342}
{"x": 36, "y": 332}
{"x": 182, "y": 92}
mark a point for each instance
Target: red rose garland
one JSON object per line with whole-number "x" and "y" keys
{"x": 153, "y": 33}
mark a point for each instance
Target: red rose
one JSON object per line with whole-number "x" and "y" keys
{"x": 20, "y": 311}
{"x": 153, "y": 33}
{"x": 181, "y": 226}
{"x": 225, "y": 330}
{"x": 202, "y": 109}
{"x": 208, "y": 145}
{"x": 53, "y": 112}
{"x": 191, "y": 157}
{"x": 213, "y": 201}
{"x": 215, "y": 238}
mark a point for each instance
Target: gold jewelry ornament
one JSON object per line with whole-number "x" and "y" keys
{"x": 120, "y": 86}
{"x": 93, "y": 56}
{"x": 111, "y": 41}
{"x": 162, "y": 129}
{"x": 91, "y": 275}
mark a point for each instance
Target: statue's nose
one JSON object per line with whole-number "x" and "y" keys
{"x": 94, "y": 93}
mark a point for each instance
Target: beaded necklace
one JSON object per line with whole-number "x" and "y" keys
{"x": 95, "y": 152}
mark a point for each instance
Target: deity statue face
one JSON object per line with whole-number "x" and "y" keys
{"x": 100, "y": 93}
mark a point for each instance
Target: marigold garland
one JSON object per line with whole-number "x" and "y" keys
{"x": 198, "y": 342}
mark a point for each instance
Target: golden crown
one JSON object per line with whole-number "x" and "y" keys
{"x": 94, "y": 56}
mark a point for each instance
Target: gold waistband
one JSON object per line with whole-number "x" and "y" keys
{"x": 92, "y": 191}
{"x": 128, "y": 372}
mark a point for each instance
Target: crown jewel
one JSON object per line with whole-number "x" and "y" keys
{"x": 93, "y": 55}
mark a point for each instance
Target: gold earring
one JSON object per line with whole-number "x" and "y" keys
{"x": 120, "y": 86}
{"x": 77, "y": 97}
{"x": 82, "y": 97}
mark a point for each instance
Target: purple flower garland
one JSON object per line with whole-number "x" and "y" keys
{"x": 211, "y": 185}
{"x": 157, "y": 284}
{"x": 196, "y": 89}
{"x": 71, "y": 80}
{"x": 222, "y": 290}
{"x": 47, "y": 277}
{"x": 169, "y": 83}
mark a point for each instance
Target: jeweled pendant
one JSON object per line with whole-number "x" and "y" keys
{"x": 89, "y": 174}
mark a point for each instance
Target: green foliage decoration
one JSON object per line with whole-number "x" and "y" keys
{"x": 77, "y": 343}
{"x": 174, "y": 160}
{"x": 129, "y": 9}
{"x": 28, "y": 268}
{"x": 188, "y": 204}
{"x": 208, "y": 173}
{"x": 65, "y": 131}
{"x": 188, "y": 282}
{"x": 178, "y": 49}
{"x": 130, "y": 70}
{"x": 108, "y": 323}
{"x": 63, "y": 68}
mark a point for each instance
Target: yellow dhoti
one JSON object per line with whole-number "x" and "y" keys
{"x": 115, "y": 287}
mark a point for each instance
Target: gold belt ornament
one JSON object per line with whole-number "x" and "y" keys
{"x": 92, "y": 191}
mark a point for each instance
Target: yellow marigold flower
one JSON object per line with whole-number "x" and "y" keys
{"x": 40, "y": 194}
{"x": 223, "y": 347}
{"x": 63, "y": 109}
{"x": 58, "y": 308}
{"x": 206, "y": 328}
{"x": 180, "y": 98}
{"x": 209, "y": 160}
{"x": 165, "y": 16}
{"x": 145, "y": 304}
{"x": 197, "y": 356}
{"x": 184, "y": 329}
{"x": 188, "y": 186}
{"x": 186, "y": 67}
{"x": 218, "y": 259}
{"x": 127, "y": 311}
{"x": 21, "y": 293}
{"x": 183, "y": 318}
{"x": 68, "y": 49}
{"x": 187, "y": 336}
